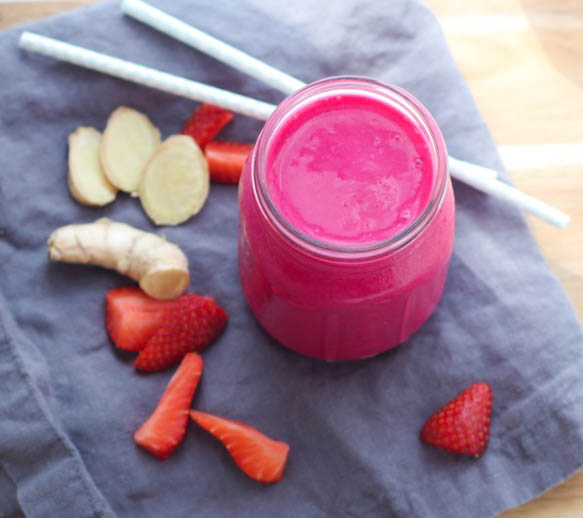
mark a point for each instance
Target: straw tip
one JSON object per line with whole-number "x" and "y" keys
{"x": 127, "y": 5}
{"x": 563, "y": 221}
{"x": 24, "y": 38}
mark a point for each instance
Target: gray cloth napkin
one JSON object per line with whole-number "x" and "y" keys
{"x": 70, "y": 402}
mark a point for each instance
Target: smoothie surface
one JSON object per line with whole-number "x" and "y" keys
{"x": 349, "y": 170}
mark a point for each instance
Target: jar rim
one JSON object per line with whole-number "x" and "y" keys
{"x": 354, "y": 84}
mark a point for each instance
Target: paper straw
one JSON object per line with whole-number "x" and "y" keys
{"x": 145, "y": 76}
{"x": 517, "y": 198}
{"x": 213, "y": 47}
{"x": 455, "y": 165}
{"x": 479, "y": 177}
{"x": 259, "y": 110}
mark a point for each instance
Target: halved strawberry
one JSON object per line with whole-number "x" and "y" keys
{"x": 463, "y": 425}
{"x": 132, "y": 317}
{"x": 226, "y": 160}
{"x": 165, "y": 428}
{"x": 260, "y": 457}
{"x": 205, "y": 123}
{"x": 190, "y": 325}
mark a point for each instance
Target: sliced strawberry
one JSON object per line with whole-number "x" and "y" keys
{"x": 260, "y": 457}
{"x": 165, "y": 428}
{"x": 463, "y": 425}
{"x": 192, "y": 324}
{"x": 205, "y": 123}
{"x": 132, "y": 317}
{"x": 226, "y": 160}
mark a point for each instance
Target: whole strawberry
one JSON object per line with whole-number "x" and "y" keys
{"x": 463, "y": 425}
{"x": 189, "y": 326}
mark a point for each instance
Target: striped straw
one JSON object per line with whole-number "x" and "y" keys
{"x": 479, "y": 177}
{"x": 254, "y": 108}
{"x": 523, "y": 201}
{"x": 145, "y": 76}
{"x": 473, "y": 170}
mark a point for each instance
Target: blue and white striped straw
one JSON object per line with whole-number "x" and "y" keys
{"x": 145, "y": 76}
{"x": 478, "y": 177}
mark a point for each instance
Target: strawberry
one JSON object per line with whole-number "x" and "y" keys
{"x": 190, "y": 325}
{"x": 132, "y": 317}
{"x": 165, "y": 428}
{"x": 463, "y": 425}
{"x": 226, "y": 160}
{"x": 260, "y": 457}
{"x": 205, "y": 123}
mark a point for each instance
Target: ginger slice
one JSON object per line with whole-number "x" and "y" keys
{"x": 159, "y": 266}
{"x": 175, "y": 183}
{"x": 87, "y": 181}
{"x": 128, "y": 141}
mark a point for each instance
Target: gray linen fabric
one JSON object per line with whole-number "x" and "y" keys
{"x": 70, "y": 403}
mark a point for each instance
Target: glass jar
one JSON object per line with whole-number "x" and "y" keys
{"x": 336, "y": 302}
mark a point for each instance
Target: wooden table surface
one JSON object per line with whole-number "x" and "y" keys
{"x": 522, "y": 60}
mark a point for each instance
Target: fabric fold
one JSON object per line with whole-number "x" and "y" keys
{"x": 71, "y": 403}
{"x": 34, "y": 450}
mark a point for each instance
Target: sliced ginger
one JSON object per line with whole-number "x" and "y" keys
{"x": 159, "y": 266}
{"x": 87, "y": 181}
{"x": 175, "y": 183}
{"x": 129, "y": 139}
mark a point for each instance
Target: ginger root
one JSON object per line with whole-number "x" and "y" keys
{"x": 159, "y": 266}
{"x": 175, "y": 183}
{"x": 87, "y": 181}
{"x": 128, "y": 141}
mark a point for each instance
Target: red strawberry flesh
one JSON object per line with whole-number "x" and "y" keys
{"x": 164, "y": 430}
{"x": 462, "y": 425}
{"x": 192, "y": 324}
{"x": 132, "y": 317}
{"x": 226, "y": 160}
{"x": 260, "y": 457}
{"x": 205, "y": 123}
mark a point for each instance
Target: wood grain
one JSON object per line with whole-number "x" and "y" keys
{"x": 522, "y": 60}
{"x": 15, "y": 13}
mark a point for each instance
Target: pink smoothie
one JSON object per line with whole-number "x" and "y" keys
{"x": 346, "y": 220}
{"x": 349, "y": 171}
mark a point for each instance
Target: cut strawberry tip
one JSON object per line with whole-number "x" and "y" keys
{"x": 165, "y": 429}
{"x": 259, "y": 457}
{"x": 205, "y": 123}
